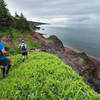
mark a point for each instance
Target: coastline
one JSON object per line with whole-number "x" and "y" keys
{"x": 86, "y": 65}
{"x": 68, "y": 48}
{"x": 94, "y": 59}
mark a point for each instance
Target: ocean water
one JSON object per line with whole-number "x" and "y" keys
{"x": 85, "y": 38}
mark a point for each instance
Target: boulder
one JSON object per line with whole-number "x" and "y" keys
{"x": 53, "y": 45}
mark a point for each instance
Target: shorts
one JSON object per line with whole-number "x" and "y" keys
{"x": 24, "y": 53}
{"x": 5, "y": 62}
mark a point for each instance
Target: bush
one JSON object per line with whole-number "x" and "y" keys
{"x": 12, "y": 50}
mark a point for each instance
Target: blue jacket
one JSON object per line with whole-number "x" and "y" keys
{"x": 2, "y": 47}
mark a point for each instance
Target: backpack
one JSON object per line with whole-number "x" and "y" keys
{"x": 1, "y": 53}
{"x": 23, "y": 47}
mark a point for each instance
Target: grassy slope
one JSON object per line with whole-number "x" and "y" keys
{"x": 43, "y": 77}
{"x": 17, "y": 36}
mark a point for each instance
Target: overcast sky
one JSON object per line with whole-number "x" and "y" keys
{"x": 58, "y": 11}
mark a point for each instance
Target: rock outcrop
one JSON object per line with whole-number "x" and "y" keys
{"x": 53, "y": 45}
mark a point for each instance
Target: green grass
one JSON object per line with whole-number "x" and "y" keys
{"x": 31, "y": 43}
{"x": 6, "y": 31}
{"x": 15, "y": 32}
{"x": 44, "y": 77}
{"x": 17, "y": 36}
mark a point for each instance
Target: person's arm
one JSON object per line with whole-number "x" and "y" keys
{"x": 4, "y": 51}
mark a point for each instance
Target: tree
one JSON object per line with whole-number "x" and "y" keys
{"x": 24, "y": 23}
{"x": 5, "y": 17}
{"x": 21, "y": 22}
{"x": 6, "y": 20}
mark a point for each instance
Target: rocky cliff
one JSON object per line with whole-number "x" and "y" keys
{"x": 79, "y": 61}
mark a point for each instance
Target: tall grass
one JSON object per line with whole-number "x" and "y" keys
{"x": 44, "y": 77}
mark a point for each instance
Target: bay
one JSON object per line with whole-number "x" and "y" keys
{"x": 83, "y": 37}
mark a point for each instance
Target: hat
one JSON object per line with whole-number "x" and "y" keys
{"x": 22, "y": 40}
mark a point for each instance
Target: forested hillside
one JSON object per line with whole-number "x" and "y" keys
{"x": 7, "y": 21}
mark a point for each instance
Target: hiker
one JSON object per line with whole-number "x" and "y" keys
{"x": 4, "y": 61}
{"x": 24, "y": 50}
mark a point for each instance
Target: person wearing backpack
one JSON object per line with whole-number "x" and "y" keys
{"x": 24, "y": 50}
{"x": 4, "y": 61}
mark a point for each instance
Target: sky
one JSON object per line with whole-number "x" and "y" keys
{"x": 57, "y": 11}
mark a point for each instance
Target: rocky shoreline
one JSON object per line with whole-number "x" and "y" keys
{"x": 94, "y": 59}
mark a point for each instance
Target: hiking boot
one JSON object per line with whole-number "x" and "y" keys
{"x": 7, "y": 74}
{"x": 3, "y": 72}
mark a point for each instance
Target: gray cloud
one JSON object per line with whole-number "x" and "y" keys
{"x": 72, "y": 11}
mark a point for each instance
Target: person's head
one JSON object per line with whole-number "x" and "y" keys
{"x": 22, "y": 41}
